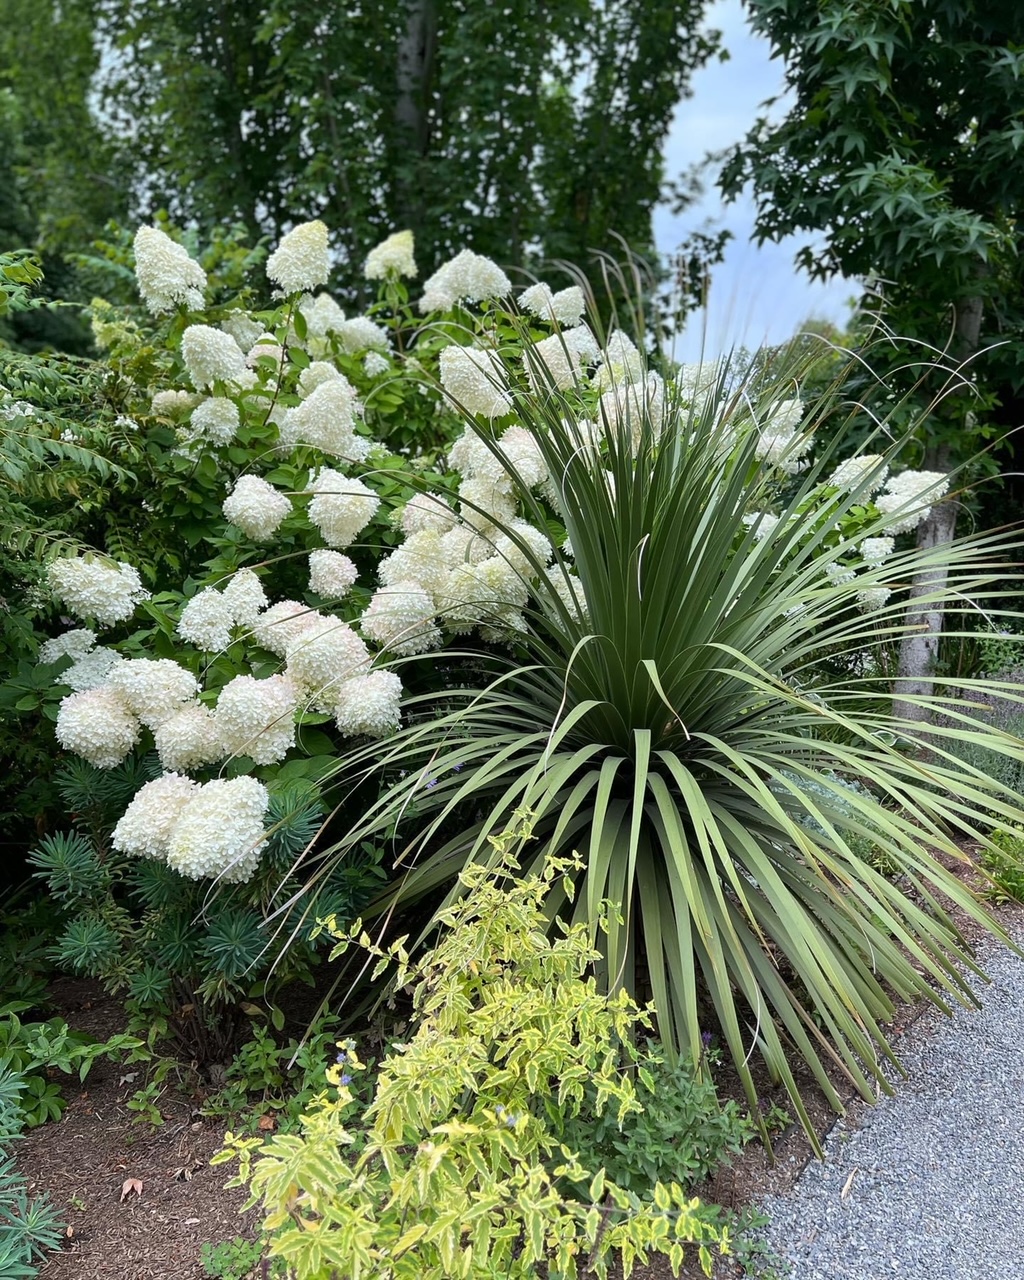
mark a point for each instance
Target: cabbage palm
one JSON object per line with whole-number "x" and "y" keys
{"x": 687, "y": 733}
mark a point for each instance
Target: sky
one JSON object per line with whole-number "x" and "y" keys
{"x": 757, "y": 295}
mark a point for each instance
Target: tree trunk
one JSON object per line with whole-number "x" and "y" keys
{"x": 416, "y": 50}
{"x": 919, "y": 648}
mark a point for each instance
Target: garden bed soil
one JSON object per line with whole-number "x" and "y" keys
{"x": 140, "y": 1201}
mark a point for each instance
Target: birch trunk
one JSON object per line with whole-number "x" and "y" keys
{"x": 919, "y": 648}
{"x": 416, "y": 50}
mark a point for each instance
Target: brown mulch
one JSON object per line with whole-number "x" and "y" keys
{"x": 93, "y": 1161}
{"x": 139, "y": 1200}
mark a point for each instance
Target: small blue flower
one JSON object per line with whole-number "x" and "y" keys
{"x": 458, "y": 768}
{"x": 431, "y": 782}
{"x": 341, "y": 1058}
{"x": 346, "y": 1080}
{"x": 705, "y": 1039}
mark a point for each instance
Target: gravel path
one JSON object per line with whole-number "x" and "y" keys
{"x": 930, "y": 1186}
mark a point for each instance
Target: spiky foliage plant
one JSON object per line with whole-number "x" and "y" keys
{"x": 684, "y": 711}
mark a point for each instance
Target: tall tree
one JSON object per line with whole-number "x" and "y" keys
{"x": 902, "y": 147}
{"x": 60, "y": 179}
{"x": 520, "y": 130}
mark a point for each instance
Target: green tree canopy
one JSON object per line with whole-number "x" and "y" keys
{"x": 902, "y": 148}
{"x": 523, "y": 131}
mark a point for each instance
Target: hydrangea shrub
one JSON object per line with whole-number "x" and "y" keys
{"x": 308, "y": 553}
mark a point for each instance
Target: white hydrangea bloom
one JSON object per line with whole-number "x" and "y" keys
{"x": 468, "y": 277}
{"x": 72, "y": 644}
{"x": 470, "y": 456}
{"x": 565, "y": 307}
{"x": 915, "y": 484}
{"x": 421, "y": 559}
{"x": 145, "y": 827}
{"x": 281, "y": 624}
{"x": 524, "y": 456}
{"x": 91, "y": 589}
{"x": 331, "y": 574}
{"x": 877, "y": 550}
{"x": 326, "y": 419}
{"x": 189, "y": 740}
{"x": 393, "y": 257}
{"x": 219, "y": 832}
{"x": 90, "y": 670}
{"x": 369, "y": 705}
{"x": 172, "y": 404}
{"x": 426, "y": 511}
{"x": 256, "y": 718}
{"x": 475, "y": 380}
{"x": 552, "y": 362}
{"x": 569, "y": 590}
{"x": 621, "y": 361}
{"x": 537, "y": 300}
{"x": 98, "y": 725}
{"x": 871, "y": 598}
{"x": 266, "y": 347}
{"x": 154, "y": 688}
{"x": 634, "y": 403}
{"x": 849, "y": 474}
{"x": 316, "y": 374}
{"x": 581, "y": 339}
{"x": 462, "y": 546}
{"x": 324, "y": 653}
{"x": 210, "y": 356}
{"x": 342, "y": 506}
{"x": 256, "y": 507}
{"x": 374, "y": 364}
{"x": 400, "y": 617}
{"x": 778, "y": 442}
{"x": 322, "y": 315}
{"x": 476, "y": 593}
{"x": 486, "y": 501}
{"x": 503, "y": 626}
{"x": 839, "y": 574}
{"x": 694, "y": 382}
{"x": 206, "y": 621}
{"x": 361, "y": 334}
{"x": 301, "y": 262}
{"x": 215, "y": 419}
{"x": 166, "y": 275}
{"x": 244, "y": 597}
{"x": 538, "y": 543}
{"x": 905, "y": 495}
{"x": 763, "y": 523}
{"x": 245, "y": 331}
{"x": 784, "y": 416}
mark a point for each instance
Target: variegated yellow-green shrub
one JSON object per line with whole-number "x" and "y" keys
{"x": 454, "y": 1169}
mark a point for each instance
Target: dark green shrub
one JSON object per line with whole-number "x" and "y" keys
{"x": 192, "y": 952}
{"x": 683, "y": 1134}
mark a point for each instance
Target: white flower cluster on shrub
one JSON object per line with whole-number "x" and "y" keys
{"x": 167, "y": 276}
{"x": 95, "y": 591}
{"x": 215, "y": 829}
{"x": 467, "y": 562}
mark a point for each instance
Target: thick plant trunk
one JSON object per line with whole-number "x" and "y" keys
{"x": 919, "y": 648}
